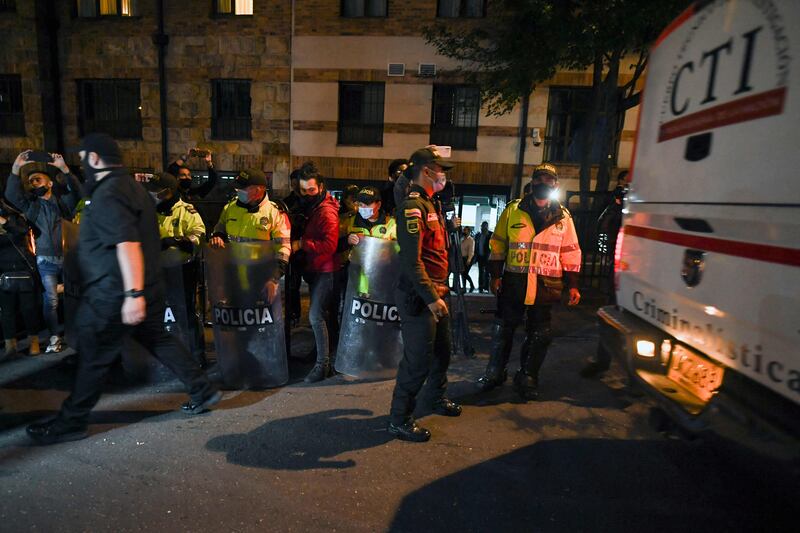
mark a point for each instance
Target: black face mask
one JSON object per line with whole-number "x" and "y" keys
{"x": 90, "y": 173}
{"x": 308, "y": 200}
{"x": 542, "y": 191}
{"x": 185, "y": 184}
{"x": 39, "y": 191}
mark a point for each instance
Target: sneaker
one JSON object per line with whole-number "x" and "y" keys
{"x": 319, "y": 372}
{"x": 56, "y": 345}
{"x": 193, "y": 408}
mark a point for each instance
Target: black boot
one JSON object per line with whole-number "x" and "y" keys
{"x": 320, "y": 371}
{"x": 409, "y": 431}
{"x": 495, "y": 373}
{"x": 526, "y": 381}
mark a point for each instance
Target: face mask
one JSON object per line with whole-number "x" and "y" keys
{"x": 438, "y": 182}
{"x": 154, "y": 196}
{"x": 242, "y": 196}
{"x": 185, "y": 184}
{"x": 90, "y": 173}
{"x": 542, "y": 191}
{"x": 366, "y": 212}
{"x": 40, "y": 191}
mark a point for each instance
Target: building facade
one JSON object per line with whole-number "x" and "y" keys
{"x": 350, "y": 84}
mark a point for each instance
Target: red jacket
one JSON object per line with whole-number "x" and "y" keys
{"x": 321, "y": 236}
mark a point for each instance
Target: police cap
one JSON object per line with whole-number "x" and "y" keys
{"x": 250, "y": 176}
{"x": 369, "y": 195}
{"x": 426, "y": 156}
{"x": 161, "y": 181}
{"x": 545, "y": 168}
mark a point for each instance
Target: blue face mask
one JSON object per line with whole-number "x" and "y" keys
{"x": 366, "y": 212}
{"x": 242, "y": 196}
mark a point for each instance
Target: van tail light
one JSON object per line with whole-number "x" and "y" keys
{"x": 618, "y": 257}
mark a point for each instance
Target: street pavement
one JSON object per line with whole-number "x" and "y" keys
{"x": 318, "y": 457}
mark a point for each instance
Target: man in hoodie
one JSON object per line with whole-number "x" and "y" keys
{"x": 320, "y": 263}
{"x": 47, "y": 204}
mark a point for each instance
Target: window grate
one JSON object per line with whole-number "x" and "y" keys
{"x": 8, "y": 5}
{"x": 12, "y": 116}
{"x": 427, "y": 70}
{"x": 110, "y": 106}
{"x": 230, "y": 109}
{"x": 364, "y": 8}
{"x": 233, "y": 7}
{"x": 106, "y": 8}
{"x": 360, "y": 114}
{"x": 461, "y": 9}
{"x": 396, "y": 69}
{"x": 454, "y": 116}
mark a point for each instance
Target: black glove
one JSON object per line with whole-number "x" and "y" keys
{"x": 186, "y": 245}
{"x": 168, "y": 242}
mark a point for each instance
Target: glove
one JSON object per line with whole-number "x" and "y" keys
{"x": 185, "y": 245}
{"x": 168, "y": 242}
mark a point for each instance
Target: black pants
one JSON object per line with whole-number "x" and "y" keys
{"x": 465, "y": 277}
{"x": 426, "y": 356}
{"x": 101, "y": 335}
{"x": 196, "y": 334}
{"x": 483, "y": 272}
{"x": 27, "y": 304}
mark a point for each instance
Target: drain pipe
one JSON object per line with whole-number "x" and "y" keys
{"x": 523, "y": 140}
{"x": 161, "y": 40}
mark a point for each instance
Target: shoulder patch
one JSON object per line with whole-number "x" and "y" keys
{"x": 433, "y": 217}
{"x": 191, "y": 209}
{"x": 410, "y": 213}
{"x": 412, "y": 225}
{"x": 264, "y": 221}
{"x": 413, "y": 194}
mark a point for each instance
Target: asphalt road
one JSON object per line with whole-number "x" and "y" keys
{"x": 318, "y": 458}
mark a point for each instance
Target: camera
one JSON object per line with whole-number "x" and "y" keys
{"x": 39, "y": 156}
{"x": 536, "y": 136}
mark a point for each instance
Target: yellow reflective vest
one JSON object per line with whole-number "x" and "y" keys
{"x": 387, "y": 230}
{"x": 183, "y": 221}
{"x": 549, "y": 253}
{"x": 267, "y": 223}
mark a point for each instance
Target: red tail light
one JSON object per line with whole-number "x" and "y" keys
{"x": 618, "y": 257}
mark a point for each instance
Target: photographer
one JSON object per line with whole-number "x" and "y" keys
{"x": 18, "y": 287}
{"x": 180, "y": 169}
{"x": 47, "y": 204}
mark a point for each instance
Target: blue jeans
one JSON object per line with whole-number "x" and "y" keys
{"x": 50, "y": 273}
{"x": 320, "y": 287}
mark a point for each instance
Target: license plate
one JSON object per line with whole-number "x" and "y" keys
{"x": 700, "y": 376}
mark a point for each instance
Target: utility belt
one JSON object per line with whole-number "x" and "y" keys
{"x": 413, "y": 304}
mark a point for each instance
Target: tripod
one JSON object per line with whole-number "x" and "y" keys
{"x": 462, "y": 341}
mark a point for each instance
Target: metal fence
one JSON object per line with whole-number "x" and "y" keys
{"x": 598, "y": 259}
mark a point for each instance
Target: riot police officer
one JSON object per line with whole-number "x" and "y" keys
{"x": 180, "y": 226}
{"x": 424, "y": 315}
{"x": 251, "y": 216}
{"x": 534, "y": 246}
{"x": 371, "y": 220}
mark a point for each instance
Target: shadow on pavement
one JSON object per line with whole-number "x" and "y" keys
{"x": 598, "y": 485}
{"x": 305, "y": 442}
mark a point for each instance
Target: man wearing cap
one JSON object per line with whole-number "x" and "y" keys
{"x": 534, "y": 248}
{"x": 48, "y": 204}
{"x": 180, "y": 169}
{"x": 251, "y": 216}
{"x": 370, "y": 220}
{"x": 425, "y": 321}
{"x": 121, "y": 292}
{"x": 180, "y": 226}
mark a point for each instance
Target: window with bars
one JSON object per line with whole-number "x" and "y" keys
{"x": 8, "y": 5}
{"x": 230, "y": 109}
{"x": 107, "y": 8}
{"x": 110, "y": 106}
{"x": 233, "y": 7}
{"x": 567, "y": 119}
{"x": 364, "y": 8}
{"x": 461, "y": 9}
{"x": 12, "y": 116}
{"x": 361, "y": 114}
{"x": 454, "y": 117}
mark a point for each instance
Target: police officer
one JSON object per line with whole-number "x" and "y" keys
{"x": 251, "y": 216}
{"x": 371, "y": 220}
{"x": 121, "y": 293}
{"x": 534, "y": 247}
{"x": 424, "y": 316}
{"x": 180, "y": 226}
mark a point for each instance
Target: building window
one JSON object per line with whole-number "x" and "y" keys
{"x": 8, "y": 5}
{"x": 567, "y": 116}
{"x": 230, "y": 109}
{"x": 110, "y": 106}
{"x": 107, "y": 8}
{"x": 454, "y": 117}
{"x": 12, "y": 118}
{"x": 452, "y": 9}
{"x": 360, "y": 114}
{"x": 233, "y": 7}
{"x": 364, "y": 8}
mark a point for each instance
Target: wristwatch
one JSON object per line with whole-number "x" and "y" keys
{"x": 134, "y": 293}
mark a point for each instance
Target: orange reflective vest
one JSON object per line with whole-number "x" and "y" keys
{"x": 549, "y": 253}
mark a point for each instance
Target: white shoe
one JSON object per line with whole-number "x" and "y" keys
{"x": 56, "y": 345}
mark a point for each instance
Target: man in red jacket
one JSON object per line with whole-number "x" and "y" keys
{"x": 317, "y": 247}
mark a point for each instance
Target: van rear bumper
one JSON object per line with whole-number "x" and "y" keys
{"x": 742, "y": 413}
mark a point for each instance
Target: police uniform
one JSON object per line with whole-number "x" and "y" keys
{"x": 181, "y": 221}
{"x": 531, "y": 248}
{"x": 383, "y": 228}
{"x": 422, "y": 237}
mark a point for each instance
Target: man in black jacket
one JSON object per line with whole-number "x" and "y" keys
{"x": 180, "y": 169}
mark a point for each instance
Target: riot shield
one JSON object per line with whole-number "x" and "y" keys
{"x": 72, "y": 279}
{"x": 370, "y": 345}
{"x": 248, "y": 332}
{"x": 137, "y": 362}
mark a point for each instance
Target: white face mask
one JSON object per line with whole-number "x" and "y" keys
{"x": 366, "y": 212}
{"x": 438, "y": 181}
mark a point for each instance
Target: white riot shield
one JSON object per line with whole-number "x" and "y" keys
{"x": 248, "y": 332}
{"x": 72, "y": 279}
{"x": 370, "y": 345}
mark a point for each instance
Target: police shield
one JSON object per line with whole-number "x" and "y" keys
{"x": 370, "y": 345}
{"x": 248, "y": 332}
{"x": 72, "y": 279}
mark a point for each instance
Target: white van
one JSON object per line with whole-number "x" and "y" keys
{"x": 708, "y": 258}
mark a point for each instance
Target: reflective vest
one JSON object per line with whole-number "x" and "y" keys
{"x": 548, "y": 253}
{"x": 183, "y": 221}
{"x": 268, "y": 223}
{"x": 387, "y": 230}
